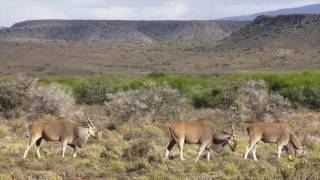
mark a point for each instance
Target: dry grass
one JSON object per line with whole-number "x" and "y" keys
{"x": 135, "y": 151}
{"x": 64, "y": 58}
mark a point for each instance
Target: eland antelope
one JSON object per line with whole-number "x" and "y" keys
{"x": 60, "y": 129}
{"x": 268, "y": 132}
{"x": 201, "y": 132}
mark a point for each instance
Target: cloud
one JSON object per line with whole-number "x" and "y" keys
{"x": 12, "y": 11}
{"x": 167, "y": 10}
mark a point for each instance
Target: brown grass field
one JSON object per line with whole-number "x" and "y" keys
{"x": 78, "y": 58}
{"x": 135, "y": 151}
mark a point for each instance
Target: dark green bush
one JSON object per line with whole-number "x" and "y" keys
{"x": 306, "y": 96}
{"x": 91, "y": 92}
{"x": 94, "y": 90}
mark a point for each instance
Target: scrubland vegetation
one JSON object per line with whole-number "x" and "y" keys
{"x": 131, "y": 114}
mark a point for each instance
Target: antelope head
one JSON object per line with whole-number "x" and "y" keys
{"x": 299, "y": 152}
{"x": 92, "y": 130}
{"x": 232, "y": 140}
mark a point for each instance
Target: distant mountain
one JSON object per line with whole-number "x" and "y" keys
{"x": 124, "y": 31}
{"x": 283, "y": 31}
{"x": 310, "y": 9}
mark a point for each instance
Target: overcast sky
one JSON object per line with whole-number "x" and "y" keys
{"x": 12, "y": 11}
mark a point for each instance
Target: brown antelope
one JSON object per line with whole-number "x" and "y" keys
{"x": 60, "y": 129}
{"x": 200, "y": 132}
{"x": 267, "y": 132}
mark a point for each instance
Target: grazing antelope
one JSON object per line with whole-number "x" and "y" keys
{"x": 277, "y": 132}
{"x": 60, "y": 129}
{"x": 200, "y": 132}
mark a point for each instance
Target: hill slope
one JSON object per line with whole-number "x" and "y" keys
{"x": 309, "y": 9}
{"x": 284, "y": 31}
{"x": 124, "y": 31}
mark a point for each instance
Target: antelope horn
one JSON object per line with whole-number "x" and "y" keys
{"x": 89, "y": 120}
{"x": 233, "y": 131}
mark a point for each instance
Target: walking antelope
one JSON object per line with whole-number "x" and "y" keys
{"x": 200, "y": 132}
{"x": 277, "y": 132}
{"x": 60, "y": 129}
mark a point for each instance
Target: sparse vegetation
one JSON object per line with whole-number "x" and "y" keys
{"x": 133, "y": 109}
{"x": 135, "y": 149}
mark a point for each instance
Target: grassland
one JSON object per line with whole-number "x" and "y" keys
{"x": 136, "y": 150}
{"x": 79, "y": 58}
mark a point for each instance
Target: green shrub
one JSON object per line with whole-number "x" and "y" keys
{"x": 306, "y": 96}
{"x": 286, "y": 169}
{"x": 92, "y": 91}
{"x": 230, "y": 169}
{"x": 201, "y": 91}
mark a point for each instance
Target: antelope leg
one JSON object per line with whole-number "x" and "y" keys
{"x": 168, "y": 149}
{"x": 248, "y": 149}
{"x": 31, "y": 142}
{"x": 201, "y": 149}
{"x": 38, "y": 144}
{"x": 279, "y": 150}
{"x": 64, "y": 146}
{"x": 254, "y": 152}
{"x": 181, "y": 143}
{"x": 74, "y": 152}
{"x": 208, "y": 154}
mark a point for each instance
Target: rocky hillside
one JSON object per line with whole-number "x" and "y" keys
{"x": 283, "y": 31}
{"x": 309, "y": 9}
{"x": 124, "y": 31}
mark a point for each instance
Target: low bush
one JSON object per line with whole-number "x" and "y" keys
{"x": 14, "y": 96}
{"x": 136, "y": 151}
{"x": 201, "y": 91}
{"x": 50, "y": 100}
{"x": 253, "y": 101}
{"x": 93, "y": 90}
{"x": 152, "y": 103}
{"x": 306, "y": 96}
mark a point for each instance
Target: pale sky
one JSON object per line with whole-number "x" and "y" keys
{"x": 12, "y": 11}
